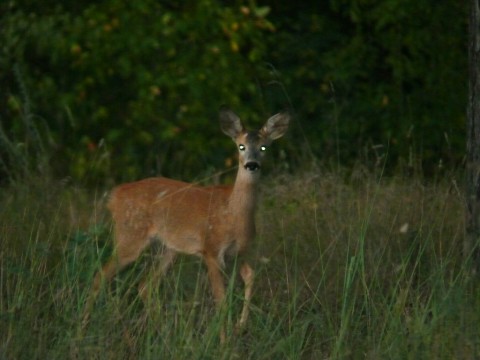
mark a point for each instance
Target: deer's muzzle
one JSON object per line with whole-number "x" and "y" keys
{"x": 252, "y": 166}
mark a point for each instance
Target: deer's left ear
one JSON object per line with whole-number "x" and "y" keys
{"x": 230, "y": 123}
{"x": 276, "y": 126}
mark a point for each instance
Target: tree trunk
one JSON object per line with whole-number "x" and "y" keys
{"x": 471, "y": 244}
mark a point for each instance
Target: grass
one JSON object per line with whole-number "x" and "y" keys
{"x": 347, "y": 266}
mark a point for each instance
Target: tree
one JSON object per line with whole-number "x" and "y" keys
{"x": 473, "y": 138}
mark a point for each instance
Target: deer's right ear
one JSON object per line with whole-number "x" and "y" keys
{"x": 230, "y": 123}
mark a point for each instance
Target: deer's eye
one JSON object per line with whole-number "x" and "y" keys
{"x": 241, "y": 147}
{"x": 263, "y": 148}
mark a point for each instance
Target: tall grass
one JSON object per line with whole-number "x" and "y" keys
{"x": 347, "y": 266}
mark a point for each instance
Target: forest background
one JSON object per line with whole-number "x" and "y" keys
{"x": 122, "y": 90}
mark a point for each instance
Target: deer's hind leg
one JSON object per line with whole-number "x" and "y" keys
{"x": 129, "y": 246}
{"x": 166, "y": 261}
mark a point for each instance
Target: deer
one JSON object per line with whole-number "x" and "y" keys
{"x": 207, "y": 221}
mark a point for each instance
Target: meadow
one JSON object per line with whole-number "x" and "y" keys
{"x": 349, "y": 264}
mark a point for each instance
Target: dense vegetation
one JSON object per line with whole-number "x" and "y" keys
{"x": 134, "y": 87}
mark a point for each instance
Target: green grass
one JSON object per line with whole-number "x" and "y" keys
{"x": 353, "y": 266}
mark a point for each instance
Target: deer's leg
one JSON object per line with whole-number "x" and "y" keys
{"x": 167, "y": 259}
{"x": 247, "y": 274}
{"x": 127, "y": 251}
{"x": 104, "y": 275}
{"x": 107, "y": 272}
{"x": 218, "y": 287}
{"x": 128, "y": 248}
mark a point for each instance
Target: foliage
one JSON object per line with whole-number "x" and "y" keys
{"x": 388, "y": 73}
{"x": 143, "y": 78}
{"x": 132, "y": 89}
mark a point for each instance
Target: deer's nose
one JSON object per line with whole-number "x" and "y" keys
{"x": 252, "y": 166}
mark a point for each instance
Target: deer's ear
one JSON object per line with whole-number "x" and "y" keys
{"x": 276, "y": 126}
{"x": 230, "y": 123}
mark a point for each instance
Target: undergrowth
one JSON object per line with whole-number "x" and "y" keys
{"x": 346, "y": 266}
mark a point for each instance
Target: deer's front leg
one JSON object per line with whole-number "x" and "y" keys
{"x": 218, "y": 287}
{"x": 247, "y": 274}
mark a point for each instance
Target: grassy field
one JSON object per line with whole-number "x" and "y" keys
{"x": 347, "y": 266}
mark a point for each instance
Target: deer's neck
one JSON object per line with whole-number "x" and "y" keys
{"x": 244, "y": 193}
{"x": 242, "y": 206}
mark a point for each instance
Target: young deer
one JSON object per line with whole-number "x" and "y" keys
{"x": 206, "y": 221}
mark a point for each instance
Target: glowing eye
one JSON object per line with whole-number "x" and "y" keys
{"x": 241, "y": 147}
{"x": 263, "y": 148}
